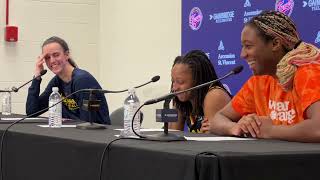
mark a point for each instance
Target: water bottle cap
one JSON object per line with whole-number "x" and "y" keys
{"x": 55, "y": 89}
{"x": 131, "y": 90}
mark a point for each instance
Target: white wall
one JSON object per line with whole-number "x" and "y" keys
{"x": 77, "y": 21}
{"x": 139, "y": 39}
{"x": 123, "y": 43}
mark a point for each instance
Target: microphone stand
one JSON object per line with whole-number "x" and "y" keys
{"x": 166, "y": 136}
{"x": 92, "y": 106}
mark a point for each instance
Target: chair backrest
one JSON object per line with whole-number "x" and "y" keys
{"x": 116, "y": 117}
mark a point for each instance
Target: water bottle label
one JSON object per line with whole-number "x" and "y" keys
{"x": 129, "y": 111}
{"x": 54, "y": 108}
{"x": 55, "y": 115}
{"x": 6, "y": 104}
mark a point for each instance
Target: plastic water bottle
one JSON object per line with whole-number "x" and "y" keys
{"x": 55, "y": 112}
{"x": 6, "y": 103}
{"x": 131, "y": 105}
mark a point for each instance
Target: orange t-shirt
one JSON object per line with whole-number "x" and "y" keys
{"x": 264, "y": 96}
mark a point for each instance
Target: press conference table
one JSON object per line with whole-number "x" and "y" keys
{"x": 32, "y": 152}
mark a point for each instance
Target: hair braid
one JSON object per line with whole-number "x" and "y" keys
{"x": 271, "y": 24}
{"x": 202, "y": 72}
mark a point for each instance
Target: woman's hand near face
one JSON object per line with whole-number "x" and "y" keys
{"x": 39, "y": 65}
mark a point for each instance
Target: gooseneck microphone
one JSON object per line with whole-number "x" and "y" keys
{"x": 154, "y": 79}
{"x": 14, "y": 89}
{"x": 236, "y": 70}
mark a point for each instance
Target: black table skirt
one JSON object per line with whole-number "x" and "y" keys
{"x": 32, "y": 152}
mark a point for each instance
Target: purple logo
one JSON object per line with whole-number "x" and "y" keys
{"x": 284, "y": 6}
{"x": 195, "y": 18}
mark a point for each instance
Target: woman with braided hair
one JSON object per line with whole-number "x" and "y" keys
{"x": 195, "y": 107}
{"x": 281, "y": 99}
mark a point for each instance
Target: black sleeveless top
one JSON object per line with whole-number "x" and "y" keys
{"x": 193, "y": 123}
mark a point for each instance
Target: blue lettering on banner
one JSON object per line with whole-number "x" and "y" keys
{"x": 222, "y": 17}
{"x": 250, "y": 14}
{"x": 226, "y": 59}
{"x": 313, "y": 4}
{"x": 317, "y": 38}
{"x": 226, "y": 56}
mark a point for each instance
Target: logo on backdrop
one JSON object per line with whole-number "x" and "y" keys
{"x": 221, "y": 46}
{"x": 284, "y": 6}
{"x": 313, "y": 4}
{"x": 222, "y": 17}
{"x": 247, "y": 4}
{"x": 195, "y": 18}
{"x": 317, "y": 38}
{"x": 225, "y": 59}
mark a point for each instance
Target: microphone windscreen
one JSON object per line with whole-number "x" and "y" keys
{"x": 155, "y": 78}
{"x": 43, "y": 72}
{"x": 237, "y": 69}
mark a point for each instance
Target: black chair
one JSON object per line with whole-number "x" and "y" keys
{"x": 116, "y": 117}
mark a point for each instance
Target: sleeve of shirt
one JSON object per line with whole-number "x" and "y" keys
{"x": 89, "y": 82}
{"x": 243, "y": 101}
{"x": 35, "y": 102}
{"x": 306, "y": 82}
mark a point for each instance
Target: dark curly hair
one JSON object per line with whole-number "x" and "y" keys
{"x": 202, "y": 72}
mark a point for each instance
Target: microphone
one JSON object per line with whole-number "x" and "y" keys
{"x": 153, "y": 79}
{"x": 234, "y": 71}
{"x": 14, "y": 89}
